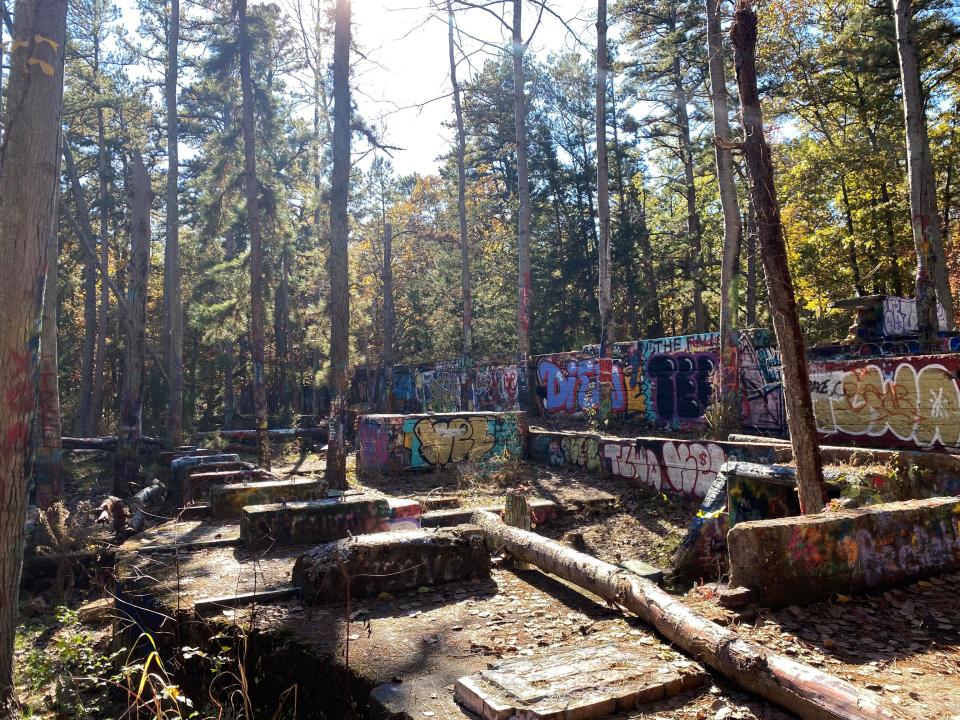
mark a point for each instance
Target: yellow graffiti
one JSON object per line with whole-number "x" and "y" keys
{"x": 446, "y": 441}
{"x": 920, "y": 406}
{"x": 582, "y": 451}
{"x": 633, "y": 385}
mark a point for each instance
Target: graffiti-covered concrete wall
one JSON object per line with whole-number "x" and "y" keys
{"x": 685, "y": 468}
{"x": 896, "y": 402}
{"x": 393, "y": 443}
{"x": 442, "y": 387}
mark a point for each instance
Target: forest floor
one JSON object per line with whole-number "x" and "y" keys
{"x": 904, "y": 644}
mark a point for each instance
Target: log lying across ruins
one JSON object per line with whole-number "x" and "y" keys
{"x": 275, "y": 434}
{"x": 810, "y": 693}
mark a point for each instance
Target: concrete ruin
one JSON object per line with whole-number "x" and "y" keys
{"x": 390, "y": 562}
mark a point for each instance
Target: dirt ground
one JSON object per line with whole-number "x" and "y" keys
{"x": 903, "y": 644}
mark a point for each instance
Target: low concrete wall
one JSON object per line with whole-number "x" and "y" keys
{"x": 808, "y": 558}
{"x": 320, "y": 521}
{"x": 393, "y": 443}
{"x": 391, "y": 562}
{"x": 670, "y": 466}
{"x": 227, "y": 501}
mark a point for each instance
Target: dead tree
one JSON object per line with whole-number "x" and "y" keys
{"x": 783, "y": 305}
{"x": 171, "y": 258}
{"x": 252, "y": 189}
{"x": 808, "y": 692}
{"x": 732, "y": 231}
{"x": 465, "y": 279}
{"x": 389, "y": 314}
{"x": 28, "y": 189}
{"x": 130, "y": 430}
{"x": 523, "y": 185}
{"x": 336, "y": 470}
{"x": 603, "y": 183}
{"x": 48, "y": 465}
{"x": 932, "y": 282}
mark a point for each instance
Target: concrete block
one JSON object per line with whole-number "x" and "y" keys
{"x": 180, "y": 465}
{"x": 199, "y": 481}
{"x": 309, "y": 522}
{"x": 393, "y": 443}
{"x": 544, "y": 511}
{"x": 226, "y": 501}
{"x": 803, "y": 559}
{"x": 390, "y": 562}
{"x": 589, "y": 682}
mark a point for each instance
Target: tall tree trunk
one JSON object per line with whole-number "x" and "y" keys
{"x": 281, "y": 332}
{"x": 465, "y": 280}
{"x": 694, "y": 228}
{"x": 932, "y": 283}
{"x": 103, "y": 313}
{"x": 339, "y": 232}
{"x": 783, "y": 305}
{"x": 851, "y": 241}
{"x": 603, "y": 183}
{"x": 229, "y": 351}
{"x": 88, "y": 347}
{"x": 171, "y": 258}
{"x": 256, "y": 243}
{"x": 523, "y": 186}
{"x": 751, "y": 294}
{"x": 130, "y": 429}
{"x": 389, "y": 314}
{"x": 28, "y": 190}
{"x": 893, "y": 255}
{"x": 732, "y": 231}
{"x": 48, "y": 465}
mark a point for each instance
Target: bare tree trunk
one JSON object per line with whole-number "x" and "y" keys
{"x": 256, "y": 242}
{"x": 174, "y": 303}
{"x": 103, "y": 313}
{"x": 810, "y": 693}
{"x": 389, "y": 314}
{"x": 48, "y": 465}
{"x": 339, "y": 232}
{"x": 523, "y": 185}
{"x": 932, "y": 283}
{"x": 281, "y": 332}
{"x": 28, "y": 190}
{"x": 851, "y": 243}
{"x": 603, "y": 183}
{"x": 229, "y": 361}
{"x": 783, "y": 305}
{"x": 751, "y": 299}
{"x": 130, "y": 429}
{"x": 732, "y": 231}
{"x": 465, "y": 279}
{"x": 893, "y": 256}
{"x": 694, "y": 228}
{"x": 89, "y": 296}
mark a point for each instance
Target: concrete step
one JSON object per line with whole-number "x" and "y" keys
{"x": 228, "y": 501}
{"x": 544, "y": 511}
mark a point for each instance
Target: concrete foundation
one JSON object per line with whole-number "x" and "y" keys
{"x": 802, "y": 559}
{"x": 390, "y": 562}
{"x": 311, "y": 522}
{"x": 227, "y": 501}
{"x": 393, "y": 443}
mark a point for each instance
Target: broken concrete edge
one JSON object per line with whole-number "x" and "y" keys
{"x": 207, "y": 605}
{"x": 369, "y": 565}
{"x": 544, "y": 511}
{"x": 195, "y": 545}
{"x": 803, "y": 559}
{"x": 228, "y": 501}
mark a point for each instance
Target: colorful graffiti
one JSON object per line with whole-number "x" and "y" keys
{"x": 905, "y": 402}
{"x": 442, "y": 387}
{"x": 761, "y": 381}
{"x": 393, "y": 443}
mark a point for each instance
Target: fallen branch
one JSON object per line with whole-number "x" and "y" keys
{"x": 317, "y": 432}
{"x": 810, "y": 693}
{"x": 101, "y": 443}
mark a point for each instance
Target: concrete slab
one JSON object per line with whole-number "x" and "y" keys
{"x": 184, "y": 534}
{"x": 391, "y": 562}
{"x": 226, "y": 501}
{"x": 802, "y": 559}
{"x": 544, "y": 511}
{"x": 321, "y": 521}
{"x": 588, "y": 682}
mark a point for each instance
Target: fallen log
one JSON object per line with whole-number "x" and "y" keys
{"x": 101, "y": 443}
{"x": 276, "y": 433}
{"x": 804, "y": 690}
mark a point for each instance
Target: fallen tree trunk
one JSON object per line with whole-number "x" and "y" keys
{"x": 810, "y": 693}
{"x": 317, "y": 432}
{"x": 101, "y": 443}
